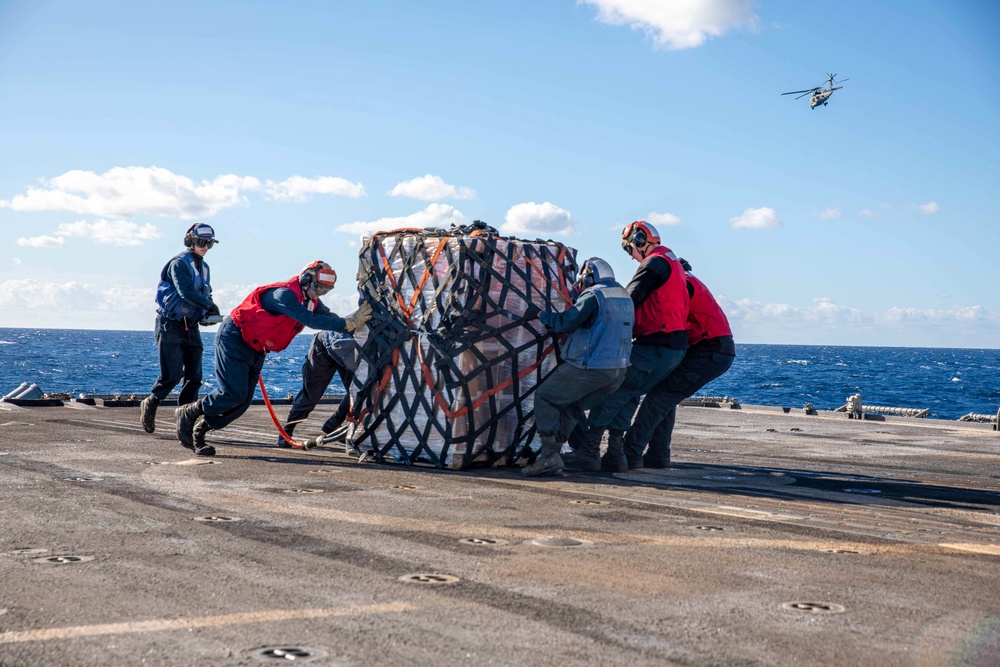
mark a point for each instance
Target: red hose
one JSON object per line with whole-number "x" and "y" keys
{"x": 274, "y": 417}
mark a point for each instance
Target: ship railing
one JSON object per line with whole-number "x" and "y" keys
{"x": 884, "y": 410}
{"x": 979, "y": 417}
{"x": 712, "y": 401}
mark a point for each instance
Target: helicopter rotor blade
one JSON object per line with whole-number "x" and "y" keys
{"x": 795, "y": 92}
{"x": 806, "y": 93}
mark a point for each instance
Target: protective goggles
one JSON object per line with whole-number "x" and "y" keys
{"x": 324, "y": 282}
{"x": 200, "y": 242}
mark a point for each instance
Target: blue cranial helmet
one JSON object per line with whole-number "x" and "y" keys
{"x": 201, "y": 235}
{"x": 593, "y": 272}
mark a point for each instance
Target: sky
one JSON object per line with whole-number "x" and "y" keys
{"x": 295, "y": 127}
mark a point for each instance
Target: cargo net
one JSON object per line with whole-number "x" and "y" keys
{"x": 448, "y": 364}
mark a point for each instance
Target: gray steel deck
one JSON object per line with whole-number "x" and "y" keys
{"x": 777, "y": 539}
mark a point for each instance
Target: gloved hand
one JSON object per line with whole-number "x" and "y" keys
{"x": 358, "y": 318}
{"x": 531, "y": 312}
{"x": 212, "y": 317}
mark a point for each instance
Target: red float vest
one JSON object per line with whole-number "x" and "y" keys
{"x": 666, "y": 309}
{"x": 705, "y": 317}
{"x": 263, "y": 331}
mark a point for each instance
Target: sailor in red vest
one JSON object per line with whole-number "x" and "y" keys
{"x": 660, "y": 297}
{"x": 266, "y": 321}
{"x": 711, "y": 354}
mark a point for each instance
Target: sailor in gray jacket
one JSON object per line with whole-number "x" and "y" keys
{"x": 596, "y": 354}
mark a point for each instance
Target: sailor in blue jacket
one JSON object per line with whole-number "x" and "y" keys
{"x": 596, "y": 357}
{"x": 183, "y": 301}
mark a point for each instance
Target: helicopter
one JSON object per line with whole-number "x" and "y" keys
{"x": 820, "y": 95}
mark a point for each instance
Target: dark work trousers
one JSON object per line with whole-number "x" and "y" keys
{"x": 317, "y": 373}
{"x": 649, "y": 365}
{"x": 654, "y": 424}
{"x": 567, "y": 392}
{"x": 181, "y": 350}
{"x": 237, "y": 367}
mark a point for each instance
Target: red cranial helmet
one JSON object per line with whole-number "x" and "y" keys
{"x": 319, "y": 277}
{"x": 636, "y": 236}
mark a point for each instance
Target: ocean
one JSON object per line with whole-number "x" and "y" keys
{"x": 949, "y": 382}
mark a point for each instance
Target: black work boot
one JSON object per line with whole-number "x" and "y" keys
{"x": 186, "y": 416}
{"x": 614, "y": 459}
{"x": 284, "y": 444}
{"x": 198, "y": 435}
{"x": 147, "y": 413}
{"x": 587, "y": 455}
{"x": 633, "y": 452}
{"x": 656, "y": 456}
{"x": 548, "y": 461}
{"x": 650, "y": 460}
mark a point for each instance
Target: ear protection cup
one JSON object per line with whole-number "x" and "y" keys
{"x": 318, "y": 275}
{"x": 199, "y": 230}
{"x": 638, "y": 234}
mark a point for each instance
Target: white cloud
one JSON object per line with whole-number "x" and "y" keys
{"x": 958, "y": 314}
{"x": 665, "y": 219}
{"x": 297, "y": 188}
{"x": 929, "y": 208}
{"x": 435, "y": 215}
{"x": 32, "y": 295}
{"x": 822, "y": 310}
{"x": 756, "y": 218}
{"x": 16, "y": 261}
{"x": 677, "y": 24}
{"x": 431, "y": 188}
{"x": 125, "y": 192}
{"x": 866, "y": 213}
{"x": 110, "y": 232}
{"x": 531, "y": 219}
{"x": 42, "y": 242}
{"x": 53, "y": 304}
{"x": 828, "y": 214}
{"x": 825, "y": 322}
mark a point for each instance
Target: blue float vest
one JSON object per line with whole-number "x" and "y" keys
{"x": 607, "y": 343}
{"x": 168, "y": 299}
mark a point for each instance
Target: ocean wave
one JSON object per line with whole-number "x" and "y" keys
{"x": 800, "y": 362}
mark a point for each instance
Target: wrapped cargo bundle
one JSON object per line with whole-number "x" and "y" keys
{"x": 448, "y": 363}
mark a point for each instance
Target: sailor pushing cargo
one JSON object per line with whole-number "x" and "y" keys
{"x": 659, "y": 295}
{"x": 330, "y": 353}
{"x": 711, "y": 353}
{"x": 266, "y": 321}
{"x": 595, "y": 354}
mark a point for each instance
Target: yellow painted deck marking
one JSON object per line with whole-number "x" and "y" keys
{"x": 991, "y": 549}
{"x": 72, "y": 632}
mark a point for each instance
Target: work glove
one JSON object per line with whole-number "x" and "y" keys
{"x": 358, "y": 318}
{"x": 211, "y": 317}
{"x": 531, "y": 312}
